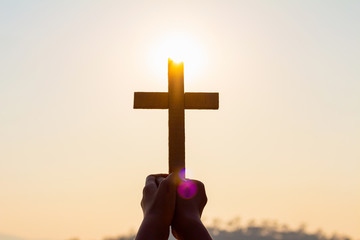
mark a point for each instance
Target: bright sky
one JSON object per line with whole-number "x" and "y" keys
{"x": 284, "y": 145}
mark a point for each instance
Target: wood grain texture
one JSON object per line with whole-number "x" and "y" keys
{"x": 151, "y": 100}
{"x": 176, "y": 117}
{"x": 201, "y": 100}
{"x": 176, "y": 101}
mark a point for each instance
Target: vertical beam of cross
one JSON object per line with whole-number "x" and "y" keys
{"x": 176, "y": 101}
{"x": 176, "y": 116}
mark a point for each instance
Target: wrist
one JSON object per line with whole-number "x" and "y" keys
{"x": 190, "y": 227}
{"x": 153, "y": 228}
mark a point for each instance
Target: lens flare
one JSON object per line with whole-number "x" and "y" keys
{"x": 187, "y": 188}
{"x": 182, "y": 174}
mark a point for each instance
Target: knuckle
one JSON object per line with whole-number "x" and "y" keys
{"x": 146, "y": 190}
{"x": 200, "y": 185}
{"x": 149, "y": 177}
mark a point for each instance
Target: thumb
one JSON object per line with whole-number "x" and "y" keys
{"x": 168, "y": 185}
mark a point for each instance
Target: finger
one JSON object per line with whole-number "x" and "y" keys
{"x": 164, "y": 175}
{"x": 150, "y": 185}
{"x": 167, "y": 193}
{"x": 150, "y": 179}
{"x": 159, "y": 180}
{"x": 169, "y": 183}
{"x": 173, "y": 178}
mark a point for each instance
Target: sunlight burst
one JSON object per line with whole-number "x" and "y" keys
{"x": 180, "y": 48}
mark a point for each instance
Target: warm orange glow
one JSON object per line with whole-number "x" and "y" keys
{"x": 180, "y": 47}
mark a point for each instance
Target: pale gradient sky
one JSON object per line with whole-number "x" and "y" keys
{"x": 285, "y": 144}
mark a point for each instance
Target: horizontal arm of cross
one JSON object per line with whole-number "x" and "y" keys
{"x": 151, "y": 100}
{"x": 160, "y": 100}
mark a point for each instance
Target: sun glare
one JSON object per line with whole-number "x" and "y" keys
{"x": 180, "y": 48}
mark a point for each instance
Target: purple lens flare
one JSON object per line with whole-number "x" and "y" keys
{"x": 187, "y": 188}
{"x": 182, "y": 174}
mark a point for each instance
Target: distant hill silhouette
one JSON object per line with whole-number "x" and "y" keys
{"x": 263, "y": 232}
{"x": 9, "y": 237}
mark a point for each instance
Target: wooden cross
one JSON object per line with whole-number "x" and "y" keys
{"x": 176, "y": 101}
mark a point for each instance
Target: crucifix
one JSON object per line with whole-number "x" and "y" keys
{"x": 176, "y": 101}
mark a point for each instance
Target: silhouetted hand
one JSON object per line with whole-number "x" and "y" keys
{"x": 190, "y": 202}
{"x": 158, "y": 204}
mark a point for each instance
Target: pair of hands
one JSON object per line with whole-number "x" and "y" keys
{"x": 163, "y": 206}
